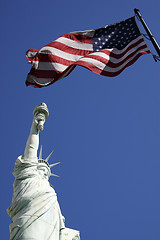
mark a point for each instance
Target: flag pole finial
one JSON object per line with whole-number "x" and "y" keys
{"x": 155, "y": 44}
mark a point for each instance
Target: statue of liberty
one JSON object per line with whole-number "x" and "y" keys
{"x": 35, "y": 211}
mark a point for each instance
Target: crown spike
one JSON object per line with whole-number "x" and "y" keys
{"x": 54, "y": 175}
{"x": 48, "y": 157}
{"x": 40, "y": 153}
{"x": 54, "y": 164}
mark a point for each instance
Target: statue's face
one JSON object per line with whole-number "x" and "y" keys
{"x": 44, "y": 172}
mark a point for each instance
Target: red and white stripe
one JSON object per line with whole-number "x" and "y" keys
{"x": 57, "y": 59}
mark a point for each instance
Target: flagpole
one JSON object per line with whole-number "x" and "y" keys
{"x": 155, "y": 44}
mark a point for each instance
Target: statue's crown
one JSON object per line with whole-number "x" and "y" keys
{"x": 45, "y": 161}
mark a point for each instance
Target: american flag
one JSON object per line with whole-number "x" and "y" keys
{"x": 106, "y": 51}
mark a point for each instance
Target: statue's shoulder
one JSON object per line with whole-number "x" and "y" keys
{"x": 25, "y": 168}
{"x": 19, "y": 160}
{"x": 22, "y": 163}
{"x": 22, "y": 160}
{"x": 71, "y": 234}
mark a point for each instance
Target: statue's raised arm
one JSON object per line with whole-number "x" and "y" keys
{"x": 40, "y": 114}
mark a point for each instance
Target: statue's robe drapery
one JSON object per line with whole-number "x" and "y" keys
{"x": 35, "y": 211}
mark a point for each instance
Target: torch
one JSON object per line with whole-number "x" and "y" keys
{"x": 41, "y": 113}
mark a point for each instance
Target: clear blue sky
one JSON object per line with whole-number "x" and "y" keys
{"x": 104, "y": 131}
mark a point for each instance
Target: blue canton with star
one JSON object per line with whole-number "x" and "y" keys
{"x": 117, "y": 35}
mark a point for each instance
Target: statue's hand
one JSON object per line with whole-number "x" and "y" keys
{"x": 39, "y": 120}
